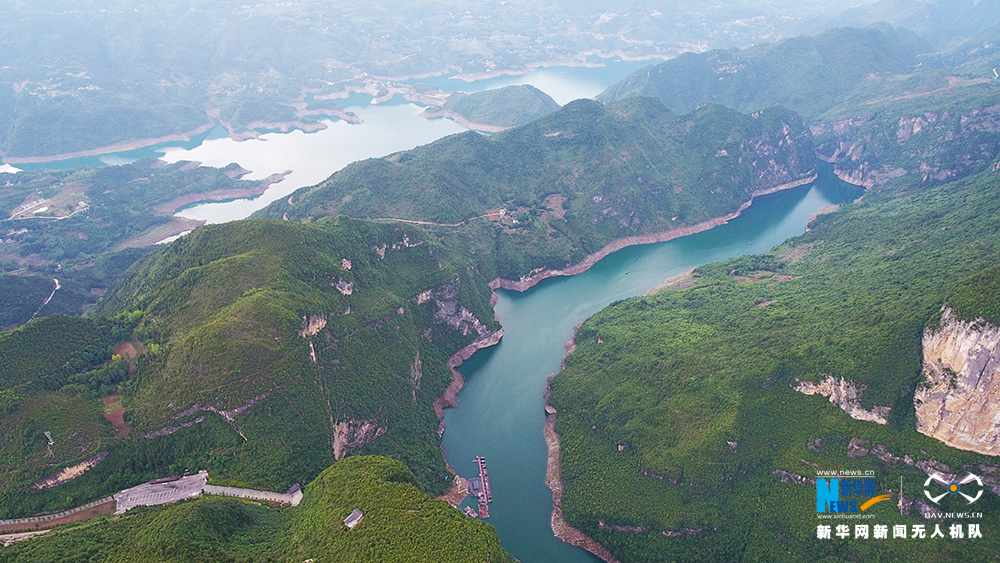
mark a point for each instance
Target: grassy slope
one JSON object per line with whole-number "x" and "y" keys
{"x": 680, "y": 373}
{"x": 630, "y": 168}
{"x": 401, "y": 525}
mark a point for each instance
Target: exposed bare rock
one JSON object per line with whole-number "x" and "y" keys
{"x": 343, "y": 286}
{"x": 70, "y": 473}
{"x": 681, "y": 533}
{"x": 856, "y": 449}
{"x": 626, "y": 529}
{"x": 845, "y": 395}
{"x": 789, "y": 477}
{"x": 958, "y": 401}
{"x": 424, "y": 296}
{"x": 816, "y": 446}
{"x": 353, "y": 434}
{"x": 166, "y": 431}
{"x": 416, "y": 374}
{"x": 345, "y": 263}
{"x": 312, "y": 325}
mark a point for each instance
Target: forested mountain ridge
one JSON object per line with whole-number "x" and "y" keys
{"x": 566, "y": 184}
{"x": 879, "y": 104}
{"x": 807, "y": 74}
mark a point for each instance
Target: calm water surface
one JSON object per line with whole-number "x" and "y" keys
{"x": 500, "y": 412}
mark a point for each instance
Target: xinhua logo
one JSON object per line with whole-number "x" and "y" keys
{"x": 846, "y": 495}
{"x": 954, "y": 488}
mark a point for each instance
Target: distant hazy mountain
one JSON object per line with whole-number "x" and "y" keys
{"x": 944, "y": 23}
{"x": 807, "y": 74}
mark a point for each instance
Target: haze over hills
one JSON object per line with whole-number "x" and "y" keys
{"x": 944, "y": 24}
{"x": 288, "y": 348}
{"x": 808, "y": 74}
{"x": 77, "y": 77}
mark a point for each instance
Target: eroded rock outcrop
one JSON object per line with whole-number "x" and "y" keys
{"x": 351, "y": 435}
{"x": 845, "y": 395}
{"x": 958, "y": 401}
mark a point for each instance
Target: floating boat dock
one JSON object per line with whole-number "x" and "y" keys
{"x": 479, "y": 488}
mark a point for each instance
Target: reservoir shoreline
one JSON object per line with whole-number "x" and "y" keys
{"x": 553, "y": 478}
{"x": 527, "y": 282}
{"x": 113, "y": 148}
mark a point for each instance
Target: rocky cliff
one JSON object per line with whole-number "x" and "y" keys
{"x": 846, "y": 395}
{"x": 958, "y": 401}
{"x": 932, "y": 146}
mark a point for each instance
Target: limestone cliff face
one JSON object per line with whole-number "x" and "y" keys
{"x": 846, "y": 395}
{"x": 870, "y": 150}
{"x": 958, "y": 401}
{"x": 351, "y": 435}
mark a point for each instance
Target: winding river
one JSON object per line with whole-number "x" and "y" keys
{"x": 500, "y": 413}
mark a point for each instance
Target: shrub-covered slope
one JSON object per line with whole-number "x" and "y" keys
{"x": 400, "y": 523}
{"x": 678, "y": 411}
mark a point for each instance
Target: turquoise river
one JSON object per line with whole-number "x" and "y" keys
{"x": 500, "y": 413}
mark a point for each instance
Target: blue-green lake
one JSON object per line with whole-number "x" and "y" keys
{"x": 500, "y": 413}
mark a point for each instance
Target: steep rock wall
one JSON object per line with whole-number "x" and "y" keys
{"x": 958, "y": 401}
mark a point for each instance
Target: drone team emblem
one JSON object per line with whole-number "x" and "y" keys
{"x": 954, "y": 487}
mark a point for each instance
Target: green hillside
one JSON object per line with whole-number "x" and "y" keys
{"x": 401, "y": 524}
{"x": 876, "y": 109}
{"x": 282, "y": 329}
{"x": 574, "y": 180}
{"x": 807, "y": 74}
{"x": 678, "y": 411}
{"x": 267, "y": 350}
{"x": 501, "y": 107}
